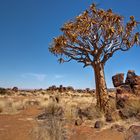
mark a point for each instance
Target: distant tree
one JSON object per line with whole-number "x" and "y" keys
{"x": 92, "y": 38}
{"x": 15, "y": 89}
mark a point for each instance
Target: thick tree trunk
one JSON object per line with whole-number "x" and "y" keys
{"x": 101, "y": 88}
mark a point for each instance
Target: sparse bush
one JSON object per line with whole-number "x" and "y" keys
{"x": 50, "y": 129}
{"x": 52, "y": 88}
{"x": 53, "y": 125}
{"x": 71, "y": 112}
{"x": 87, "y": 89}
{"x": 9, "y": 106}
{"x": 15, "y": 89}
{"x": 70, "y": 88}
{"x": 79, "y": 90}
{"x": 2, "y": 91}
{"x": 31, "y": 102}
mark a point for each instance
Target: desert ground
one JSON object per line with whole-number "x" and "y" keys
{"x": 63, "y": 115}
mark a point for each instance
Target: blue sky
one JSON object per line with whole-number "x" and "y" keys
{"x": 26, "y": 30}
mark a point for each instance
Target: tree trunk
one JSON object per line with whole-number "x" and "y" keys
{"x": 101, "y": 88}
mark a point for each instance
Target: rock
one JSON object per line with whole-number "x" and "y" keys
{"x": 131, "y": 85}
{"x": 136, "y": 89}
{"x": 133, "y": 133}
{"x": 130, "y": 79}
{"x": 137, "y": 80}
{"x": 42, "y": 116}
{"x": 134, "y": 81}
{"x": 138, "y": 116}
{"x": 85, "y": 113}
{"x": 135, "y": 129}
{"x": 127, "y": 113}
{"x": 118, "y": 127}
{"x": 98, "y": 124}
{"x": 123, "y": 89}
{"x": 108, "y": 117}
{"x": 121, "y": 100}
{"x": 78, "y": 122}
{"x": 122, "y": 95}
{"x": 118, "y": 79}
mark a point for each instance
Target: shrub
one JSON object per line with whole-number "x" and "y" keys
{"x": 53, "y": 125}
{"x": 15, "y": 89}
{"x": 3, "y": 91}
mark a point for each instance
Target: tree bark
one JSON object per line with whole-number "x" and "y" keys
{"x": 101, "y": 88}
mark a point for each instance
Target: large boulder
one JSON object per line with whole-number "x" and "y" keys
{"x": 122, "y": 95}
{"x": 119, "y": 128}
{"x": 133, "y": 133}
{"x": 98, "y": 124}
{"x": 137, "y": 80}
{"x": 134, "y": 81}
{"x": 136, "y": 87}
{"x": 130, "y": 79}
{"x": 137, "y": 90}
{"x": 118, "y": 79}
{"x": 124, "y": 90}
{"x": 78, "y": 122}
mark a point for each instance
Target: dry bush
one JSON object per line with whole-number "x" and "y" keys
{"x": 30, "y": 102}
{"x": 9, "y": 106}
{"x": 52, "y": 126}
{"x": 50, "y": 129}
{"x": 6, "y": 92}
{"x": 70, "y": 111}
{"x": 6, "y": 106}
{"x": 2, "y": 91}
{"x": 46, "y": 100}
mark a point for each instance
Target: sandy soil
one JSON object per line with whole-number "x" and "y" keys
{"x": 19, "y": 126}
{"x": 86, "y": 133}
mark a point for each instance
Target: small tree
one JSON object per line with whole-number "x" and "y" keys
{"x": 92, "y": 38}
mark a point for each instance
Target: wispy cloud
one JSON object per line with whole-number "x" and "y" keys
{"x": 58, "y": 76}
{"x": 37, "y": 76}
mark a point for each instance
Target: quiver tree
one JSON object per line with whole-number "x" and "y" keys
{"x": 92, "y": 38}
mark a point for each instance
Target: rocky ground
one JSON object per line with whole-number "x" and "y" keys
{"x": 67, "y": 114}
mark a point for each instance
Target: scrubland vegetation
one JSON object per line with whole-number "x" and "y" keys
{"x": 62, "y": 110}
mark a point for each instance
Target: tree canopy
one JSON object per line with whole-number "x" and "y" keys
{"x": 94, "y": 36}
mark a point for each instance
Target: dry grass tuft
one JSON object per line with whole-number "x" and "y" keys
{"x": 9, "y": 106}
{"x": 52, "y": 126}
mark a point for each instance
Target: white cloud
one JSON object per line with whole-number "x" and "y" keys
{"x": 58, "y": 76}
{"x": 37, "y": 76}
